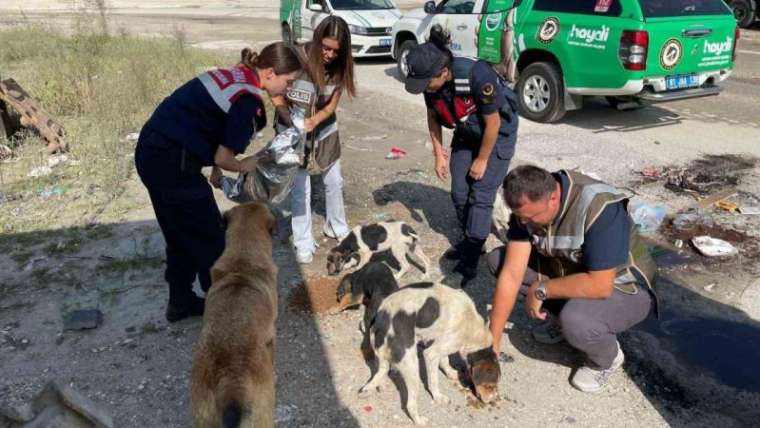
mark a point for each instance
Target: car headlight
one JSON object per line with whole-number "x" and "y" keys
{"x": 355, "y": 29}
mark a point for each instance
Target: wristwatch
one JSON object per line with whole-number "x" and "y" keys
{"x": 541, "y": 291}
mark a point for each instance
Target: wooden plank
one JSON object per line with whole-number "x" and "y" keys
{"x": 33, "y": 115}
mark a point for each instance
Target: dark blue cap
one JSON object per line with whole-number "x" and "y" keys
{"x": 424, "y": 62}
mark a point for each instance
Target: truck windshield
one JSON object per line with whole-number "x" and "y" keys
{"x": 362, "y": 4}
{"x": 663, "y": 8}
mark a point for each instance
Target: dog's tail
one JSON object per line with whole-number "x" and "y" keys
{"x": 232, "y": 399}
{"x": 232, "y": 415}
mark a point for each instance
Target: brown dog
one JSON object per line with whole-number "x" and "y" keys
{"x": 232, "y": 379}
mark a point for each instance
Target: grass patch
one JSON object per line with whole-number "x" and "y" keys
{"x": 126, "y": 265}
{"x": 100, "y": 87}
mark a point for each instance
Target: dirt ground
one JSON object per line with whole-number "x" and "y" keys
{"x": 696, "y": 366}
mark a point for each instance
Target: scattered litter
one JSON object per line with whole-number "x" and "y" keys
{"x": 710, "y": 287}
{"x": 678, "y": 243}
{"x": 40, "y": 171}
{"x": 380, "y": 216}
{"x": 648, "y": 217}
{"x": 691, "y": 220}
{"x": 57, "y": 405}
{"x": 375, "y": 137}
{"x": 713, "y": 247}
{"x": 396, "y": 153}
{"x": 50, "y": 192}
{"x": 284, "y": 413}
{"x": 5, "y": 152}
{"x": 83, "y": 319}
{"x": 55, "y": 160}
{"x": 749, "y": 209}
{"x": 726, "y": 206}
{"x": 134, "y": 136}
{"x": 368, "y": 408}
{"x": 650, "y": 171}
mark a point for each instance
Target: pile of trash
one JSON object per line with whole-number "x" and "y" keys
{"x": 706, "y": 175}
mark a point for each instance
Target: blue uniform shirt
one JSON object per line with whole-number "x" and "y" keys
{"x": 192, "y": 119}
{"x": 606, "y": 243}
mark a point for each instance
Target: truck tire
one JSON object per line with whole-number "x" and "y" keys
{"x": 287, "y": 34}
{"x": 744, "y": 12}
{"x": 403, "y": 51}
{"x": 541, "y": 92}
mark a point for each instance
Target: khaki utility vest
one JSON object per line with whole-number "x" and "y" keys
{"x": 560, "y": 245}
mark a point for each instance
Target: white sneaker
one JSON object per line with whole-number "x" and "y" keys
{"x": 549, "y": 332}
{"x": 330, "y": 233}
{"x": 590, "y": 378}
{"x": 304, "y": 257}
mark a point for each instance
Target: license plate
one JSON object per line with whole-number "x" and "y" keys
{"x": 385, "y": 42}
{"x": 681, "y": 81}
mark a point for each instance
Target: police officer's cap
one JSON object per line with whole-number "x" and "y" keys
{"x": 424, "y": 62}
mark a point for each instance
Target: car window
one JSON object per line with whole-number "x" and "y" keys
{"x": 457, "y": 6}
{"x": 361, "y": 4}
{"x": 584, "y": 7}
{"x": 661, "y": 8}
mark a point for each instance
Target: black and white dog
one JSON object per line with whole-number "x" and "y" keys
{"x": 362, "y": 242}
{"x": 446, "y": 320}
{"x": 368, "y": 286}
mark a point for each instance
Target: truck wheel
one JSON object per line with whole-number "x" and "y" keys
{"x": 287, "y": 35}
{"x": 744, "y": 12}
{"x": 403, "y": 51}
{"x": 541, "y": 92}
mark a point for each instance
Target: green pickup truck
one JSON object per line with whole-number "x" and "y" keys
{"x": 630, "y": 51}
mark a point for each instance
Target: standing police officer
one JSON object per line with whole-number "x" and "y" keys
{"x": 468, "y": 96}
{"x": 206, "y": 122}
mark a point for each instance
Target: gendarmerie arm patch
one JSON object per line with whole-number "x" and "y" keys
{"x": 486, "y": 92}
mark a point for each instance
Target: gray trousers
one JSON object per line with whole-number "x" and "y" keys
{"x": 590, "y": 325}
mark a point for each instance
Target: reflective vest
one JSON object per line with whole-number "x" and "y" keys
{"x": 226, "y": 85}
{"x": 560, "y": 245}
{"x": 460, "y": 112}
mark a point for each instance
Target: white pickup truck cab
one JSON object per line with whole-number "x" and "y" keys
{"x": 370, "y": 22}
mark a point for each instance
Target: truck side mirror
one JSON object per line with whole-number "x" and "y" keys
{"x": 315, "y": 7}
{"x": 430, "y": 7}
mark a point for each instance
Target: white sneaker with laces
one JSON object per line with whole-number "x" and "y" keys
{"x": 304, "y": 257}
{"x": 330, "y": 233}
{"x": 549, "y": 332}
{"x": 590, "y": 378}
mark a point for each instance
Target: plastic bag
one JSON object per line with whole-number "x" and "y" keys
{"x": 276, "y": 167}
{"x": 648, "y": 217}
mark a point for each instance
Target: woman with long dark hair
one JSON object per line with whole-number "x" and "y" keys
{"x": 206, "y": 122}
{"x": 468, "y": 96}
{"x": 329, "y": 74}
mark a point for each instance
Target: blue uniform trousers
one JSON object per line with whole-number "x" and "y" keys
{"x": 474, "y": 199}
{"x": 186, "y": 212}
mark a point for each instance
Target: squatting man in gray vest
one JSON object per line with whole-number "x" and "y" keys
{"x": 586, "y": 274}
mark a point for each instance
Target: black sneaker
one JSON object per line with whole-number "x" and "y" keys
{"x": 468, "y": 271}
{"x": 455, "y": 252}
{"x": 194, "y": 308}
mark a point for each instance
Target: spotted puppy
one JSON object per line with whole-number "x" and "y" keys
{"x": 447, "y": 322}
{"x": 369, "y": 286}
{"x": 357, "y": 248}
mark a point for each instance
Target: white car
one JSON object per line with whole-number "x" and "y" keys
{"x": 458, "y": 16}
{"x": 370, "y": 22}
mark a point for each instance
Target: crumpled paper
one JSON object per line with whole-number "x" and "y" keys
{"x": 275, "y": 170}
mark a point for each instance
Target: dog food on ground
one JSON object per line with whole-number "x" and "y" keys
{"x": 315, "y": 295}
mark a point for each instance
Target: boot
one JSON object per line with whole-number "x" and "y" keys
{"x": 183, "y": 303}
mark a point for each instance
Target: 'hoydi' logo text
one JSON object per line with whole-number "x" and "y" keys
{"x": 590, "y": 35}
{"x": 718, "y": 48}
